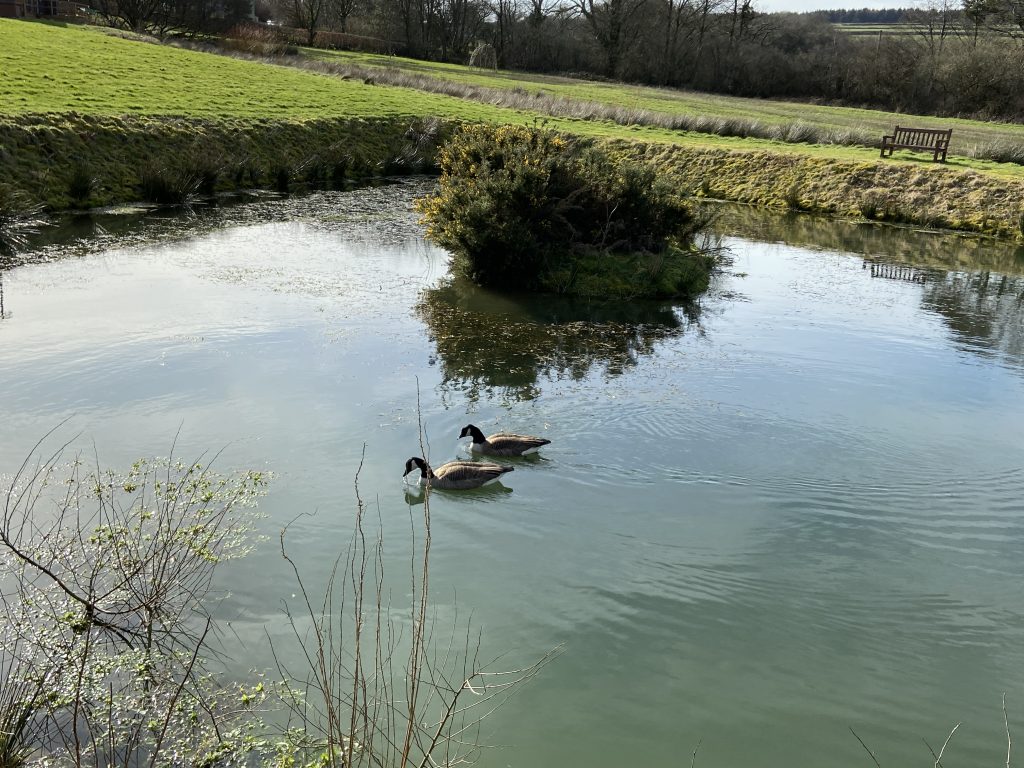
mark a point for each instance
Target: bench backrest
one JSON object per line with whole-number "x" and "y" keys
{"x": 922, "y": 137}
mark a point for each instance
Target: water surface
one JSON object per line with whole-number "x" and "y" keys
{"x": 792, "y": 509}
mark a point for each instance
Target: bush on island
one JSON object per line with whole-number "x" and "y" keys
{"x": 525, "y": 208}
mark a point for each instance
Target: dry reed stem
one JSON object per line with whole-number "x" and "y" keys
{"x": 1006, "y": 724}
{"x": 866, "y": 748}
{"x": 938, "y": 759}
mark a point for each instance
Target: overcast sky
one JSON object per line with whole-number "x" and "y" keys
{"x": 820, "y": 5}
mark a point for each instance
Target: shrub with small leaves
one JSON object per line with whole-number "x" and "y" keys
{"x": 523, "y": 208}
{"x": 107, "y": 614}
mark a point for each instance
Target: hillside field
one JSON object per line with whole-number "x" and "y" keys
{"x": 966, "y": 133}
{"x": 55, "y": 68}
{"x": 80, "y": 103}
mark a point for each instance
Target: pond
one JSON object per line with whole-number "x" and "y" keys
{"x": 790, "y": 510}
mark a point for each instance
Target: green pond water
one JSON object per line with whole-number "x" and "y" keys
{"x": 793, "y": 509}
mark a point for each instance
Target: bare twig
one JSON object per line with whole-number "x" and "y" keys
{"x": 938, "y": 759}
{"x": 1006, "y": 724}
{"x": 693, "y": 757}
{"x": 866, "y": 748}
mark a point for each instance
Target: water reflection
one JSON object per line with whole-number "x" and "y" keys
{"x": 921, "y": 248}
{"x": 381, "y": 213}
{"x": 899, "y": 272}
{"x": 982, "y": 309}
{"x": 976, "y": 285}
{"x": 490, "y": 343}
{"x": 417, "y": 494}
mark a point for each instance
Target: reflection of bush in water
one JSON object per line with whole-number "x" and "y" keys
{"x": 491, "y": 341}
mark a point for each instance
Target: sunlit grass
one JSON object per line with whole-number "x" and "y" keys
{"x": 53, "y": 68}
{"x": 967, "y": 134}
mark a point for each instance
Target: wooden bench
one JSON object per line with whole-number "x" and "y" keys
{"x": 921, "y": 139}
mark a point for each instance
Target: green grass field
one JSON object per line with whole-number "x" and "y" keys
{"x": 966, "y": 133}
{"x": 53, "y": 68}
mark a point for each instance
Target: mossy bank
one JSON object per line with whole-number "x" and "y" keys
{"x": 922, "y": 194}
{"x": 75, "y": 161}
{"x": 47, "y": 156}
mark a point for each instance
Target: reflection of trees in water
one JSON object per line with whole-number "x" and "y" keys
{"x": 920, "y": 248}
{"x": 974, "y": 284}
{"x": 984, "y": 310}
{"x": 487, "y": 341}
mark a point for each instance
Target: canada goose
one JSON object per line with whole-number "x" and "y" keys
{"x": 457, "y": 475}
{"x": 502, "y": 444}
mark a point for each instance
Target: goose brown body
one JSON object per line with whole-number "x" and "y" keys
{"x": 457, "y": 475}
{"x": 503, "y": 443}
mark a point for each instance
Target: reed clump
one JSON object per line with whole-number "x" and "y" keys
{"x": 20, "y": 216}
{"x": 81, "y": 185}
{"x": 164, "y": 185}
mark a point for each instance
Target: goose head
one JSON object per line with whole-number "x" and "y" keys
{"x": 415, "y": 461}
{"x": 471, "y": 431}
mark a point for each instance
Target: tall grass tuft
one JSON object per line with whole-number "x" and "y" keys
{"x": 802, "y": 133}
{"x": 207, "y": 169}
{"x": 20, "y": 217}
{"x": 165, "y": 186}
{"x": 793, "y": 200}
{"x": 1001, "y": 152}
{"x": 81, "y": 185}
{"x": 21, "y": 694}
{"x": 254, "y": 39}
{"x": 870, "y": 208}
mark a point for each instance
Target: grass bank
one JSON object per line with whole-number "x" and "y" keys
{"x": 73, "y": 160}
{"x": 85, "y": 116}
{"x": 923, "y": 194}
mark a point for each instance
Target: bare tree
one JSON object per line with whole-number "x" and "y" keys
{"x": 613, "y": 25}
{"x": 307, "y": 15}
{"x": 506, "y": 15}
{"x": 342, "y": 10}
